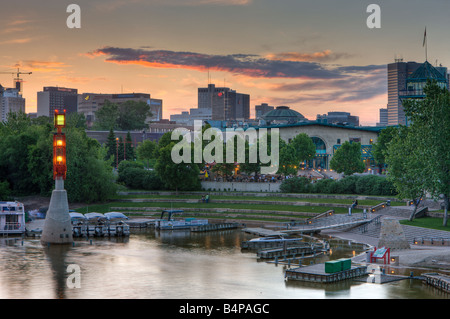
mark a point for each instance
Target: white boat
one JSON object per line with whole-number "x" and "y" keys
{"x": 12, "y": 218}
{"x": 117, "y": 225}
{"x": 96, "y": 223}
{"x": 79, "y": 224}
{"x": 172, "y": 224}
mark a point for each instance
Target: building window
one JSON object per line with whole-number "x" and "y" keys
{"x": 338, "y": 141}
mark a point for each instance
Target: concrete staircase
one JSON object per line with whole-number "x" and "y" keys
{"x": 412, "y": 233}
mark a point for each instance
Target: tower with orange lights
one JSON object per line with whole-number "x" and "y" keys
{"x": 58, "y": 227}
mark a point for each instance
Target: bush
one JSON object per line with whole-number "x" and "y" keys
{"x": 296, "y": 185}
{"x": 324, "y": 186}
{"x": 151, "y": 181}
{"x": 136, "y": 177}
{"x": 347, "y": 185}
{"x": 363, "y": 185}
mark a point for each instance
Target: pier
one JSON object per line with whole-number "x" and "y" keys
{"x": 437, "y": 280}
{"x": 213, "y": 227}
{"x": 316, "y": 273}
{"x": 305, "y": 249}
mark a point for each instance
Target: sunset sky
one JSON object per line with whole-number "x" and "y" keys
{"x": 314, "y": 56}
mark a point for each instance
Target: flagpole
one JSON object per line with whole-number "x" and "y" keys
{"x": 425, "y": 43}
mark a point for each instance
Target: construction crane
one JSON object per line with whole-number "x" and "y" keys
{"x": 17, "y": 82}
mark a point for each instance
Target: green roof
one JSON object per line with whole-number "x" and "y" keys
{"x": 427, "y": 71}
{"x": 283, "y": 113}
{"x": 376, "y": 129}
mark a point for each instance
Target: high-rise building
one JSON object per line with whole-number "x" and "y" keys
{"x": 56, "y": 98}
{"x": 10, "y": 101}
{"x": 89, "y": 103}
{"x": 225, "y": 104}
{"x": 262, "y": 109}
{"x": 416, "y": 82}
{"x": 398, "y": 72}
{"x": 383, "y": 117}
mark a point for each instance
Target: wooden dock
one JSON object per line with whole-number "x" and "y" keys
{"x": 263, "y": 232}
{"x": 437, "y": 280}
{"x": 269, "y": 244}
{"x": 214, "y": 227}
{"x": 300, "y": 250}
{"x": 316, "y": 273}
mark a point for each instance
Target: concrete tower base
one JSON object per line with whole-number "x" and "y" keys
{"x": 57, "y": 226}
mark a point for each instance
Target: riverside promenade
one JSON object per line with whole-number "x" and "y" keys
{"x": 418, "y": 255}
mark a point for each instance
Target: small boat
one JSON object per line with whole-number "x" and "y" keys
{"x": 79, "y": 224}
{"x": 97, "y": 223}
{"x": 12, "y": 218}
{"x": 117, "y": 225}
{"x": 172, "y": 224}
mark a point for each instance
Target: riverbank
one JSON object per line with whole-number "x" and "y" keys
{"x": 433, "y": 257}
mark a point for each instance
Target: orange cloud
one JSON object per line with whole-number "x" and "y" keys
{"x": 325, "y": 55}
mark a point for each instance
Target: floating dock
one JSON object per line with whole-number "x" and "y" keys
{"x": 439, "y": 281}
{"x": 316, "y": 273}
{"x": 213, "y": 227}
{"x": 302, "y": 250}
{"x": 269, "y": 244}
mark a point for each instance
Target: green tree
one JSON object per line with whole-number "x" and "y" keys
{"x": 305, "y": 149}
{"x": 429, "y": 131}
{"x": 405, "y": 166}
{"x": 106, "y": 117}
{"x": 347, "y": 159}
{"x": 380, "y": 147}
{"x": 129, "y": 148}
{"x": 288, "y": 160}
{"x": 146, "y": 152}
{"x": 132, "y": 115}
{"x": 111, "y": 145}
{"x": 182, "y": 176}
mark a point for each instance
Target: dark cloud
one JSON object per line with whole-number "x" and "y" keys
{"x": 243, "y": 64}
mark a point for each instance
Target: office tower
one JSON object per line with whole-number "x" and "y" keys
{"x": 10, "y": 101}
{"x": 398, "y": 72}
{"x": 383, "y": 117}
{"x": 56, "y": 98}
{"x": 225, "y": 104}
{"x": 89, "y": 103}
{"x": 262, "y": 109}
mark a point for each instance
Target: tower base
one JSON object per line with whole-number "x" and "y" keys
{"x": 57, "y": 226}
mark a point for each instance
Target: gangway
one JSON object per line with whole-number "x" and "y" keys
{"x": 332, "y": 222}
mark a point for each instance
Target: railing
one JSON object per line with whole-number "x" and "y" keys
{"x": 432, "y": 241}
{"x": 337, "y": 221}
{"x": 12, "y": 227}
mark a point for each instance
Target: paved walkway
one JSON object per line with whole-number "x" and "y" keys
{"x": 437, "y": 257}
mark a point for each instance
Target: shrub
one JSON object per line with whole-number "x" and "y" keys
{"x": 296, "y": 185}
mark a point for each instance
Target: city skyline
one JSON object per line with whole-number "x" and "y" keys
{"x": 313, "y": 57}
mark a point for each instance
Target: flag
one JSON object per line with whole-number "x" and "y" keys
{"x": 424, "y": 37}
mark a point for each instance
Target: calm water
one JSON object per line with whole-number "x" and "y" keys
{"x": 173, "y": 265}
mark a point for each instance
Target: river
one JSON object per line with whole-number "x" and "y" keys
{"x": 174, "y": 265}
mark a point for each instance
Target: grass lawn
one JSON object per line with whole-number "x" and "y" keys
{"x": 313, "y": 209}
{"x": 427, "y": 222}
{"x": 331, "y": 201}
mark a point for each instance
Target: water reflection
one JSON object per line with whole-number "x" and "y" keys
{"x": 176, "y": 264}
